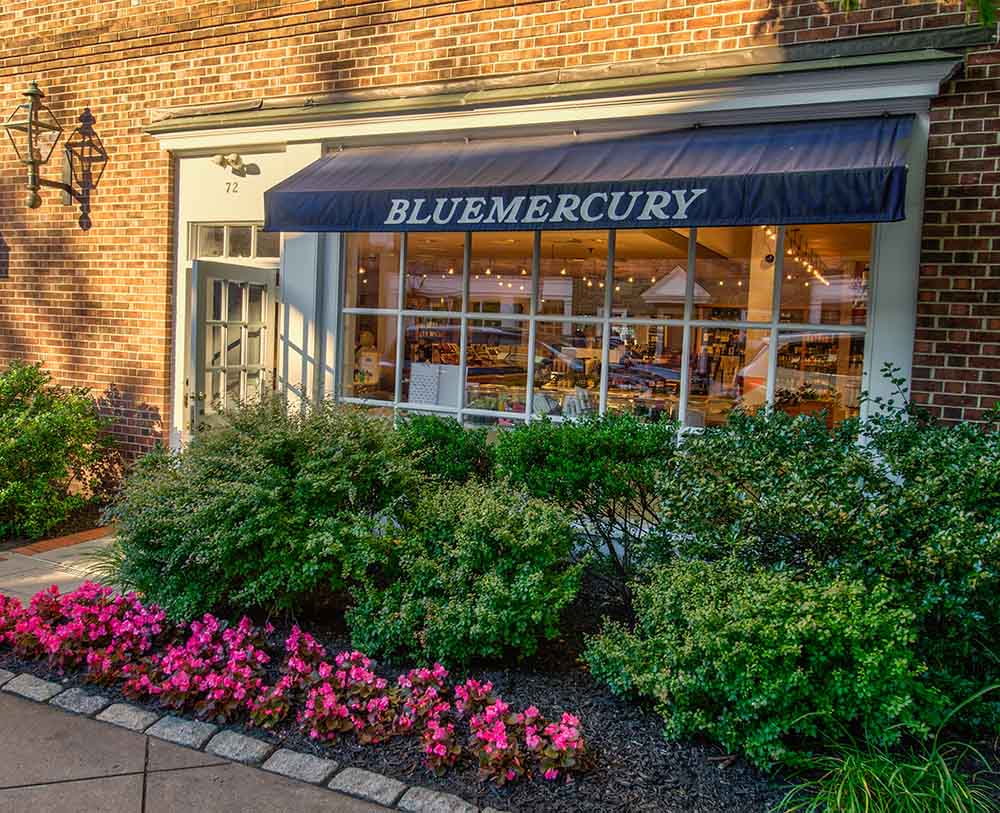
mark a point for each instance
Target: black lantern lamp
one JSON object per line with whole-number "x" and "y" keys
{"x": 34, "y": 132}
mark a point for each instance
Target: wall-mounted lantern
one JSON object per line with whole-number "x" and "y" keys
{"x": 34, "y": 132}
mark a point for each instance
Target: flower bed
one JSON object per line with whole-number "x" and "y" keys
{"x": 218, "y": 672}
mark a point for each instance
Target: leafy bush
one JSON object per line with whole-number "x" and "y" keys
{"x": 603, "y": 471}
{"x": 473, "y": 571}
{"x": 894, "y": 499}
{"x": 259, "y": 513}
{"x": 445, "y": 450}
{"x": 55, "y": 454}
{"x": 763, "y": 660}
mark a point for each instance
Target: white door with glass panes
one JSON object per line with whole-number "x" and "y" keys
{"x": 233, "y": 343}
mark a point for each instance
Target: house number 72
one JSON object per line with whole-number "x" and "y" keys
{"x": 232, "y": 187}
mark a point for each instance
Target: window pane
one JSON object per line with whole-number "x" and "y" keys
{"x": 233, "y": 396}
{"x": 496, "y": 423}
{"x": 210, "y": 241}
{"x": 215, "y": 346}
{"x": 234, "y": 336}
{"x": 819, "y": 371}
{"x": 650, "y": 273}
{"x": 268, "y": 243}
{"x": 234, "y": 305}
{"x": 253, "y": 347}
{"x": 430, "y": 367}
{"x": 239, "y": 241}
{"x": 369, "y": 356}
{"x": 500, "y": 272}
{"x": 728, "y": 370}
{"x": 255, "y": 304}
{"x": 826, "y": 274}
{"x": 573, "y": 269}
{"x": 734, "y": 273}
{"x": 434, "y": 271}
{"x": 253, "y": 386}
{"x": 372, "y": 272}
{"x": 217, "y": 300}
{"x": 644, "y": 369}
{"x": 567, "y": 369}
{"x": 497, "y": 365}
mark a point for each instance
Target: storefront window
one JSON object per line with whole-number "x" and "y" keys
{"x": 434, "y": 271}
{"x": 574, "y": 266}
{"x": 826, "y": 274}
{"x": 728, "y": 370}
{"x": 371, "y": 275}
{"x": 496, "y": 334}
{"x": 734, "y": 274}
{"x": 496, "y": 365}
{"x": 369, "y": 362}
{"x": 650, "y": 279}
{"x": 819, "y": 372}
{"x": 567, "y": 369}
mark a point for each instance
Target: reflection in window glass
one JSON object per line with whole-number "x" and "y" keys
{"x": 500, "y": 272}
{"x": 371, "y": 276}
{"x": 431, "y": 355}
{"x": 369, "y": 356}
{"x": 240, "y": 241}
{"x": 726, "y": 373}
{"x": 644, "y": 369}
{"x": 650, "y": 273}
{"x": 826, "y": 274}
{"x": 434, "y": 271}
{"x": 819, "y": 372}
{"x": 573, "y": 269}
{"x": 497, "y": 365}
{"x": 255, "y": 304}
{"x": 734, "y": 273}
{"x": 210, "y": 241}
{"x": 268, "y": 243}
{"x": 567, "y": 369}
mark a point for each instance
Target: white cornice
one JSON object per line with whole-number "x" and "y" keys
{"x": 827, "y": 93}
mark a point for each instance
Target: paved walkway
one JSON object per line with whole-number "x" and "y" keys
{"x": 64, "y": 562}
{"x": 57, "y": 762}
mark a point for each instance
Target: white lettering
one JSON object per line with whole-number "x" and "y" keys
{"x": 682, "y": 203}
{"x": 439, "y": 207}
{"x": 414, "y": 218}
{"x": 538, "y": 209}
{"x": 565, "y": 208}
{"x": 397, "y": 211}
{"x": 616, "y": 199}
{"x": 657, "y": 202}
{"x": 473, "y": 210}
{"x": 585, "y": 206}
{"x": 504, "y": 214}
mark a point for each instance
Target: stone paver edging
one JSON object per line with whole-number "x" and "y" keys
{"x": 231, "y": 745}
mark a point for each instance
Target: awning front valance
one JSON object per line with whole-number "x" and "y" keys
{"x": 842, "y": 171}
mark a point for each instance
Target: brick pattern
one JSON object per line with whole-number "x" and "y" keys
{"x": 957, "y": 351}
{"x": 96, "y": 306}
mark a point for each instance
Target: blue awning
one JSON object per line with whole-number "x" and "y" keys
{"x": 841, "y": 171}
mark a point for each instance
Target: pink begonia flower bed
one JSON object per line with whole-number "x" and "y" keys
{"x": 220, "y": 672}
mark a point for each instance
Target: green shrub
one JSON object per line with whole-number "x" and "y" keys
{"x": 473, "y": 571}
{"x": 763, "y": 661}
{"x": 54, "y": 451}
{"x": 262, "y": 512}
{"x": 603, "y": 471}
{"x": 445, "y": 450}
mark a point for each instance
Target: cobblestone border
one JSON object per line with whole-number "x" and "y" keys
{"x": 242, "y": 748}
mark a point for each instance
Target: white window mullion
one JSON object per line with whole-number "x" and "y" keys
{"x": 400, "y": 301}
{"x": 772, "y": 350}
{"x": 463, "y": 339}
{"x": 609, "y": 284}
{"x": 686, "y": 340}
{"x": 536, "y": 262}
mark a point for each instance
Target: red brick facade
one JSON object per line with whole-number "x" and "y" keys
{"x": 96, "y": 306}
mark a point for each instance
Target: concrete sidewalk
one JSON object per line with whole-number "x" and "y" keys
{"x": 57, "y": 762}
{"x": 64, "y": 562}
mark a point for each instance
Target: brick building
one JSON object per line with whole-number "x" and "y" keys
{"x": 177, "y": 298}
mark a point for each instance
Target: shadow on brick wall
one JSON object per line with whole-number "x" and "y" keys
{"x": 138, "y": 426}
{"x": 4, "y": 258}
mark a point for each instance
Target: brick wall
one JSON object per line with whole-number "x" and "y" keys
{"x": 957, "y": 351}
{"x": 96, "y": 306}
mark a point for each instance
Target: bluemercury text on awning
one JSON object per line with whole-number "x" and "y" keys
{"x": 842, "y": 171}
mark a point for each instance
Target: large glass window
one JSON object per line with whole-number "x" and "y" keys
{"x": 500, "y": 327}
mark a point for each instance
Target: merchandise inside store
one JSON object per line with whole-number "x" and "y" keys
{"x": 686, "y": 323}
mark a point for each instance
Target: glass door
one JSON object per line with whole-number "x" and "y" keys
{"x": 233, "y": 342}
